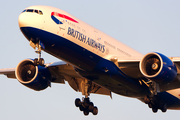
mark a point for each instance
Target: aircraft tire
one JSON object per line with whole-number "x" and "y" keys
{"x": 146, "y": 100}
{"x": 86, "y": 102}
{"x": 77, "y": 102}
{"x": 86, "y": 112}
{"x": 150, "y": 105}
{"x": 95, "y": 111}
{"x": 36, "y": 62}
{"x": 41, "y": 62}
{"x": 91, "y": 107}
{"x": 154, "y": 109}
{"x": 81, "y": 108}
{"x": 164, "y": 108}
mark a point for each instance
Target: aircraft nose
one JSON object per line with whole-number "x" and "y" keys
{"x": 22, "y": 20}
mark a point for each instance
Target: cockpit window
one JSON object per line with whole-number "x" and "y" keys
{"x": 33, "y": 11}
{"x": 23, "y": 11}
{"x": 40, "y": 12}
{"x": 29, "y": 10}
{"x": 36, "y": 11}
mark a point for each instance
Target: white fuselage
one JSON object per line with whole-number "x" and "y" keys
{"x": 109, "y": 47}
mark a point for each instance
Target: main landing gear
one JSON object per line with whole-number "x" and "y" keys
{"x": 155, "y": 103}
{"x": 86, "y": 105}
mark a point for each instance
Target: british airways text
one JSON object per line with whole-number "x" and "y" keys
{"x": 83, "y": 38}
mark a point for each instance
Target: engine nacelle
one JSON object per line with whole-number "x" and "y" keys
{"x": 34, "y": 77}
{"x": 158, "y": 68}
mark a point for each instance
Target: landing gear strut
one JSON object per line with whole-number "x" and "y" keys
{"x": 86, "y": 105}
{"x": 39, "y": 60}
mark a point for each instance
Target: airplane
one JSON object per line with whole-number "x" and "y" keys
{"x": 93, "y": 62}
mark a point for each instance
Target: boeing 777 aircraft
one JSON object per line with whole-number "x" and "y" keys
{"x": 93, "y": 62}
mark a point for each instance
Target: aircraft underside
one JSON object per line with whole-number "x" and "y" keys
{"x": 100, "y": 71}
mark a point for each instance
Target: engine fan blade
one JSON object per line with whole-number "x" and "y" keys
{"x": 152, "y": 66}
{"x": 27, "y": 72}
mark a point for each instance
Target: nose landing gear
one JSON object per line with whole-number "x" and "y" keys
{"x": 38, "y": 47}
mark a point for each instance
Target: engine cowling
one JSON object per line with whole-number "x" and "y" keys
{"x": 34, "y": 77}
{"x": 158, "y": 68}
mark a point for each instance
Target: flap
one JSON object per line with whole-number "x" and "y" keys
{"x": 63, "y": 71}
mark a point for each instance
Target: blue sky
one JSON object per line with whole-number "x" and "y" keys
{"x": 143, "y": 25}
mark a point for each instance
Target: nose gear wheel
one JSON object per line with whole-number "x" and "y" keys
{"x": 39, "y": 62}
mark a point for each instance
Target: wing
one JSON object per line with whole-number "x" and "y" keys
{"x": 176, "y": 60}
{"x": 61, "y": 72}
{"x": 131, "y": 68}
{"x": 9, "y": 72}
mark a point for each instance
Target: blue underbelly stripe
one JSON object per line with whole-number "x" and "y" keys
{"x": 63, "y": 48}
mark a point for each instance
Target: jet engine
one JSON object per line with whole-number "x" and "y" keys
{"x": 34, "y": 77}
{"x": 158, "y": 67}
